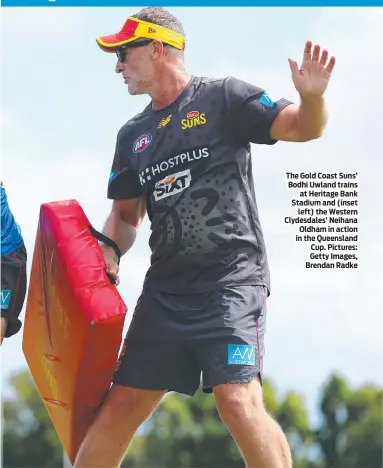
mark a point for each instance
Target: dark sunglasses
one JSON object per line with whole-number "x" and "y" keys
{"x": 121, "y": 51}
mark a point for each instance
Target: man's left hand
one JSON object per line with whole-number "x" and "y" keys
{"x": 312, "y": 78}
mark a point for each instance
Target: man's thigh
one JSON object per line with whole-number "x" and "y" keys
{"x": 155, "y": 355}
{"x": 13, "y": 288}
{"x": 234, "y": 351}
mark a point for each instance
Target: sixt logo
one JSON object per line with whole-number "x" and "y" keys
{"x": 165, "y": 121}
{"x": 172, "y": 184}
{"x": 142, "y": 143}
{"x": 193, "y": 119}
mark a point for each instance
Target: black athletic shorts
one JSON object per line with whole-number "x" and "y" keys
{"x": 172, "y": 339}
{"x": 13, "y": 288}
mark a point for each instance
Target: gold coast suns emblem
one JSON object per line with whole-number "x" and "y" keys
{"x": 164, "y": 121}
{"x": 193, "y": 119}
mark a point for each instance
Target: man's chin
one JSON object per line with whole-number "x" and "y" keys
{"x": 134, "y": 90}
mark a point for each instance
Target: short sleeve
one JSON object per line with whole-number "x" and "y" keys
{"x": 251, "y": 111}
{"x": 124, "y": 181}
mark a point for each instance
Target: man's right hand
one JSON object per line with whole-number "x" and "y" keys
{"x": 111, "y": 261}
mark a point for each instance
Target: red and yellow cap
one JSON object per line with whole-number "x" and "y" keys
{"x": 134, "y": 29}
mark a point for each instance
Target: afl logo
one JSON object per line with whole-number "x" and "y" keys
{"x": 142, "y": 143}
{"x": 192, "y": 115}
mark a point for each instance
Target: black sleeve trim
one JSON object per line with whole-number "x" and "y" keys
{"x": 124, "y": 185}
{"x": 271, "y": 116}
{"x": 249, "y": 120}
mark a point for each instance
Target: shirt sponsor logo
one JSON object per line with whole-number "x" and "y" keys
{"x": 164, "y": 121}
{"x": 189, "y": 156}
{"x": 142, "y": 143}
{"x": 172, "y": 184}
{"x": 193, "y": 119}
{"x": 242, "y": 355}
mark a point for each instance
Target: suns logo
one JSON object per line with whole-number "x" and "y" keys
{"x": 193, "y": 119}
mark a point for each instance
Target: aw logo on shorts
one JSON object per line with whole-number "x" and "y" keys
{"x": 193, "y": 119}
{"x": 172, "y": 184}
{"x": 5, "y": 298}
{"x": 243, "y": 355}
{"x": 142, "y": 143}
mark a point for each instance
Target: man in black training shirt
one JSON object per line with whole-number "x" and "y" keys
{"x": 186, "y": 162}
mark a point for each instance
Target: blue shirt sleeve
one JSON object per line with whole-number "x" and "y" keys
{"x": 11, "y": 237}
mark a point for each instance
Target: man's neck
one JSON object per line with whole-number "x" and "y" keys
{"x": 169, "y": 86}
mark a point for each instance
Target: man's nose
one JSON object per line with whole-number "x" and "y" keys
{"x": 119, "y": 67}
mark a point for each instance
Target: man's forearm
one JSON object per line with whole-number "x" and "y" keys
{"x": 3, "y": 328}
{"x": 122, "y": 233}
{"x": 312, "y": 118}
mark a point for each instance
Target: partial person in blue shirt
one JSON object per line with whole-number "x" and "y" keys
{"x": 13, "y": 270}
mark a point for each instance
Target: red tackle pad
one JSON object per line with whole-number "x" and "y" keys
{"x": 74, "y": 321}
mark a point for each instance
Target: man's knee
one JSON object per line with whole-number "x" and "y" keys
{"x": 239, "y": 402}
{"x": 130, "y": 404}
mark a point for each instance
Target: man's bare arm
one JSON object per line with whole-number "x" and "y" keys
{"x": 310, "y": 80}
{"x": 122, "y": 223}
{"x": 304, "y": 123}
{"x": 4, "y": 323}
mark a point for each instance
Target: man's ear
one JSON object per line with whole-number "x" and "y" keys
{"x": 157, "y": 48}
